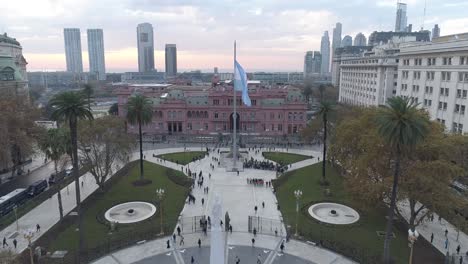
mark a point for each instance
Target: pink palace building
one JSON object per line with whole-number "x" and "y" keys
{"x": 206, "y": 110}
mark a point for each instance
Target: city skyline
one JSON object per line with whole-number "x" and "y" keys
{"x": 298, "y": 28}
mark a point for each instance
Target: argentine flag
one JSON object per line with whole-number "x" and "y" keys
{"x": 240, "y": 83}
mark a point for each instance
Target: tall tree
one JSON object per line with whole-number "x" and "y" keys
{"x": 402, "y": 126}
{"x": 325, "y": 109}
{"x": 139, "y": 112}
{"x": 88, "y": 91}
{"x": 102, "y": 144}
{"x": 18, "y": 132}
{"x": 71, "y": 107}
{"x": 55, "y": 143}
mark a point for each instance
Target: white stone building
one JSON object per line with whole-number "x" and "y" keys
{"x": 369, "y": 79}
{"x": 13, "y": 76}
{"x": 435, "y": 74}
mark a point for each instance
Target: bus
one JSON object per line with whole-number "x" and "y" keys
{"x": 14, "y": 198}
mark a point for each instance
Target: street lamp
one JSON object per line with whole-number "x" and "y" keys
{"x": 15, "y": 208}
{"x": 412, "y": 237}
{"x": 28, "y": 235}
{"x": 298, "y": 195}
{"x": 160, "y": 194}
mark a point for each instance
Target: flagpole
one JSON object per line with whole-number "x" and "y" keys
{"x": 234, "y": 116}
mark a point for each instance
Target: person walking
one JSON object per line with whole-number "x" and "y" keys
{"x": 255, "y": 208}
{"x": 446, "y": 243}
{"x": 38, "y": 228}
{"x": 458, "y": 250}
{"x": 237, "y": 260}
{"x": 15, "y": 243}
{"x": 199, "y": 243}
{"x": 5, "y": 242}
{"x": 178, "y": 230}
{"x": 432, "y": 237}
{"x": 174, "y": 237}
{"x": 282, "y": 246}
{"x": 168, "y": 242}
{"x": 263, "y": 205}
{"x": 255, "y": 232}
{"x": 181, "y": 240}
{"x": 192, "y": 260}
{"x": 446, "y": 232}
{"x": 253, "y": 242}
{"x": 203, "y": 201}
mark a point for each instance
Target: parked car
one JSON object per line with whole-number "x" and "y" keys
{"x": 54, "y": 178}
{"x": 69, "y": 170}
{"x": 37, "y": 187}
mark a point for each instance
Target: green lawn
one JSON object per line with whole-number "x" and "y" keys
{"x": 123, "y": 190}
{"x": 284, "y": 158}
{"x": 359, "y": 239}
{"x": 183, "y": 158}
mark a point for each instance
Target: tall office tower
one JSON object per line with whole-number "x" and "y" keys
{"x": 215, "y": 70}
{"x": 436, "y": 31}
{"x": 145, "y": 47}
{"x": 325, "y": 51}
{"x": 360, "y": 40}
{"x": 409, "y": 28}
{"x": 400, "y": 23}
{"x": 73, "y": 49}
{"x": 308, "y": 62}
{"x": 317, "y": 62}
{"x": 347, "y": 41}
{"x": 171, "y": 60}
{"x": 97, "y": 64}
{"x": 336, "y": 40}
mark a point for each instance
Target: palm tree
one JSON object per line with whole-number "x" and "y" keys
{"x": 139, "y": 111}
{"x": 55, "y": 143}
{"x": 71, "y": 107}
{"x": 325, "y": 109}
{"x": 88, "y": 91}
{"x": 403, "y": 126}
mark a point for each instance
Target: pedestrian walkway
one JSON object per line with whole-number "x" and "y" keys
{"x": 36, "y": 163}
{"x": 454, "y": 236}
{"x": 238, "y": 197}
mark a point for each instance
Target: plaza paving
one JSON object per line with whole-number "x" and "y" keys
{"x": 238, "y": 197}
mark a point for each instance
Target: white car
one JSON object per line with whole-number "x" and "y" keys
{"x": 69, "y": 170}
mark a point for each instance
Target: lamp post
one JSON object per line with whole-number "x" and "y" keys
{"x": 298, "y": 195}
{"x": 412, "y": 237}
{"x": 160, "y": 194}
{"x": 28, "y": 235}
{"x": 15, "y": 208}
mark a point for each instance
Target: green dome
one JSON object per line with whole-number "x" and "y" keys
{"x": 6, "y": 39}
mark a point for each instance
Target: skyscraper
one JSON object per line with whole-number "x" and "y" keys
{"x": 325, "y": 51}
{"x": 400, "y": 23}
{"x": 360, "y": 40}
{"x": 97, "y": 62}
{"x": 436, "y": 31}
{"x": 145, "y": 47}
{"x": 171, "y": 60}
{"x": 347, "y": 41}
{"x": 308, "y": 62}
{"x": 336, "y": 37}
{"x": 73, "y": 49}
{"x": 336, "y": 40}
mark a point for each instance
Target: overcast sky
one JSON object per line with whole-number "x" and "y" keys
{"x": 272, "y": 35}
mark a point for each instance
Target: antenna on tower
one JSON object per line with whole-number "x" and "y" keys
{"x": 424, "y": 16}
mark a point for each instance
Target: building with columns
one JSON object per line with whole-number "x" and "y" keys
{"x": 202, "y": 110}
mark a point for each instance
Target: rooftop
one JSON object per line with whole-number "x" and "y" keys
{"x": 5, "y": 38}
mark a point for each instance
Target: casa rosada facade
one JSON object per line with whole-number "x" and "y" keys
{"x": 204, "y": 110}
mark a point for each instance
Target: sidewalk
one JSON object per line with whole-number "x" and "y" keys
{"x": 426, "y": 228}
{"x": 36, "y": 163}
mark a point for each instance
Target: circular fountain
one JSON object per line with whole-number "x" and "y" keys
{"x": 333, "y": 213}
{"x": 131, "y": 212}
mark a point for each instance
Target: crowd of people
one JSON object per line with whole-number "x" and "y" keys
{"x": 260, "y": 165}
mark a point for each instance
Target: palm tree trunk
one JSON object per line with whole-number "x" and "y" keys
{"x": 324, "y": 147}
{"x": 74, "y": 141}
{"x": 141, "y": 150}
{"x": 391, "y": 209}
{"x": 59, "y": 195}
